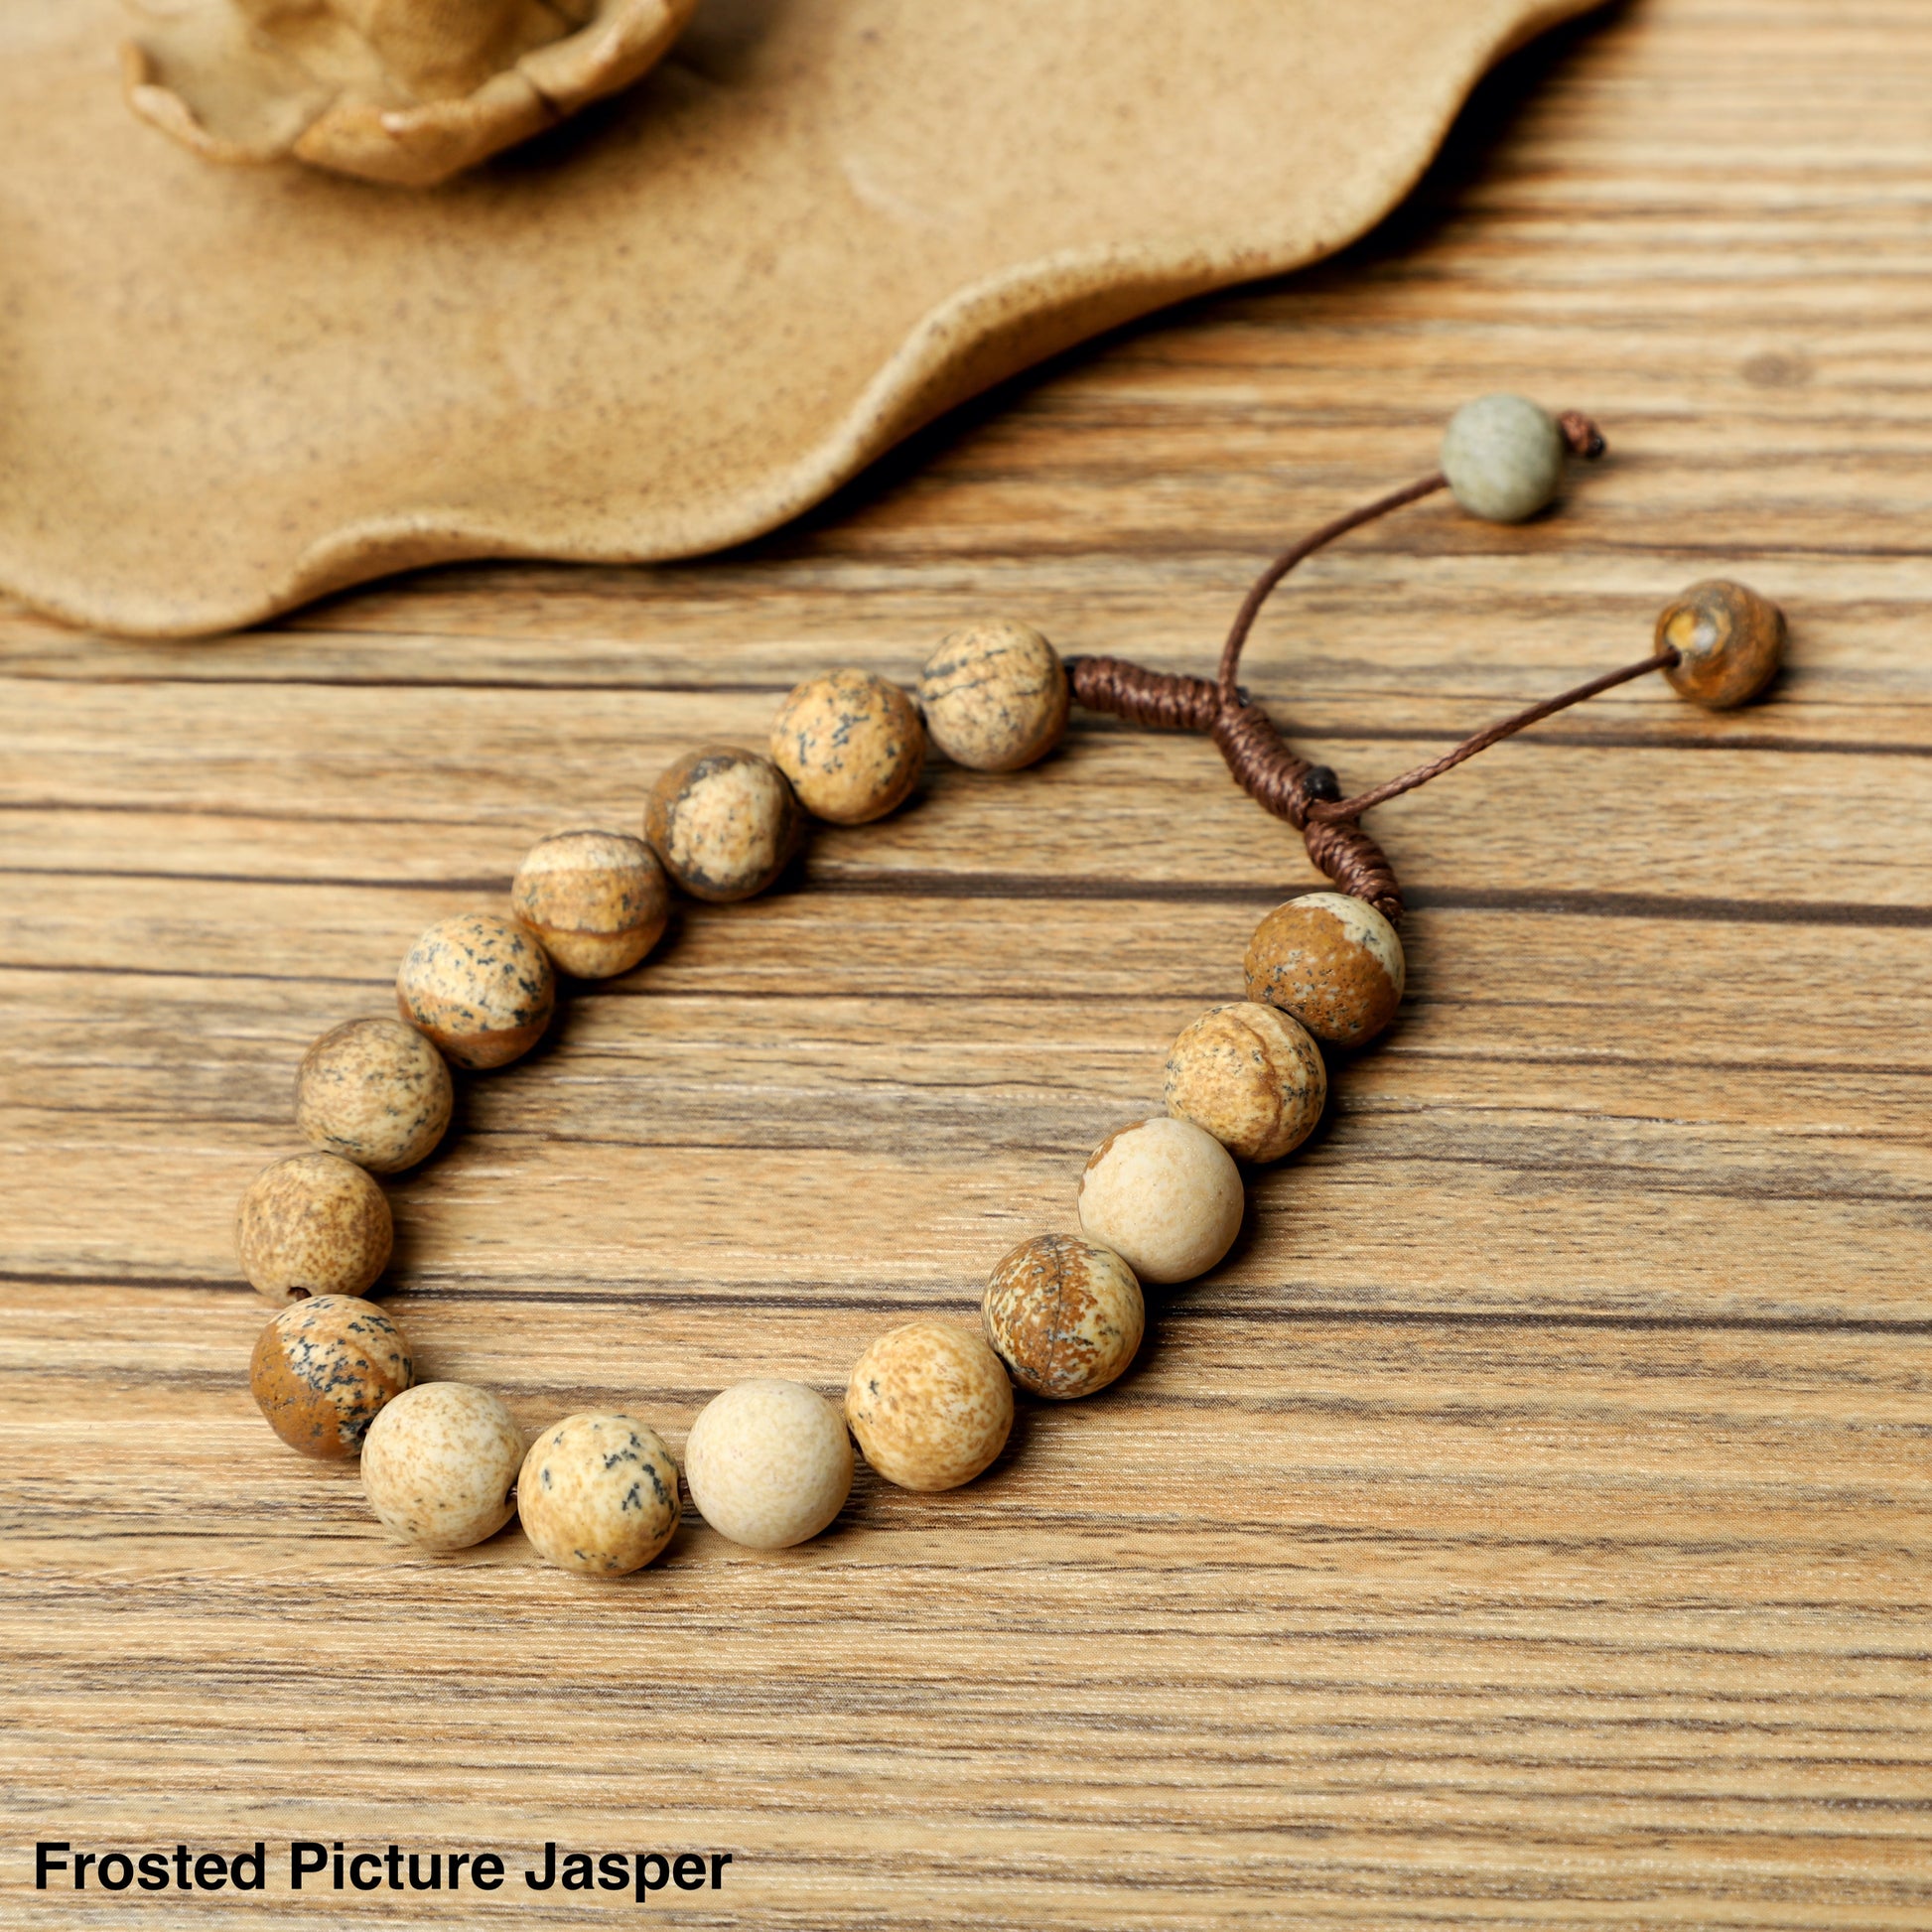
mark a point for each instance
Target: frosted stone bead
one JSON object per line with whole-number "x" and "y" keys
{"x": 1065, "y": 1317}
{"x": 930, "y": 1405}
{"x": 1164, "y": 1195}
{"x": 1251, "y": 1076}
{"x": 376, "y": 1092}
{"x": 323, "y": 1368}
{"x": 1503, "y": 457}
{"x": 768, "y": 1463}
{"x": 312, "y": 1224}
{"x": 597, "y": 1494}
{"x": 724, "y": 822}
{"x": 480, "y": 986}
{"x": 852, "y": 744}
{"x": 440, "y": 1464}
{"x": 1332, "y": 961}
{"x": 1730, "y": 644}
{"x": 995, "y": 696}
{"x": 598, "y": 900}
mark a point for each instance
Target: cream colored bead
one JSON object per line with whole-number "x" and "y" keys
{"x": 930, "y": 1405}
{"x": 769, "y": 1462}
{"x": 724, "y": 822}
{"x": 598, "y": 900}
{"x": 480, "y": 986}
{"x": 1332, "y": 961}
{"x": 1166, "y": 1196}
{"x": 852, "y": 744}
{"x": 1065, "y": 1317}
{"x": 1251, "y": 1076}
{"x": 995, "y": 696}
{"x": 376, "y": 1092}
{"x": 312, "y": 1224}
{"x": 440, "y": 1464}
{"x": 597, "y": 1494}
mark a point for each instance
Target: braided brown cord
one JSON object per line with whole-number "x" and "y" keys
{"x": 1307, "y": 795}
{"x": 1263, "y": 585}
{"x": 1345, "y": 808}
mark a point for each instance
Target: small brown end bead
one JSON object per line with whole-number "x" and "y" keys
{"x": 1728, "y": 640}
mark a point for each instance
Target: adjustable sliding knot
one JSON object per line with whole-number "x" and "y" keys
{"x": 1262, "y": 764}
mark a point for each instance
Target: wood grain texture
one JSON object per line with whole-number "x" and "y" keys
{"x": 1530, "y": 1525}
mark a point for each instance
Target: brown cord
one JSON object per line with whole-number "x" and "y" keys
{"x": 1307, "y": 795}
{"x": 1494, "y": 733}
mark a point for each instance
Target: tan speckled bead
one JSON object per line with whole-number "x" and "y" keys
{"x": 1065, "y": 1317}
{"x": 376, "y": 1092}
{"x": 930, "y": 1405}
{"x": 599, "y": 1494}
{"x": 1332, "y": 961}
{"x": 439, "y": 1463}
{"x": 1251, "y": 1075}
{"x": 324, "y": 1368}
{"x": 312, "y": 1224}
{"x": 480, "y": 986}
{"x": 596, "y": 901}
{"x": 852, "y": 744}
{"x": 1730, "y": 644}
{"x": 1164, "y": 1195}
{"x": 769, "y": 1462}
{"x": 724, "y": 822}
{"x": 995, "y": 696}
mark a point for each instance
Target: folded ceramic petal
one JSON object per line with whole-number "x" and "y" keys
{"x": 671, "y": 326}
{"x": 405, "y": 91}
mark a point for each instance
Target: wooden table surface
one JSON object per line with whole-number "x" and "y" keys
{"x": 1530, "y": 1525}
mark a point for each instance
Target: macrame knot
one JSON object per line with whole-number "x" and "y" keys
{"x": 1263, "y": 765}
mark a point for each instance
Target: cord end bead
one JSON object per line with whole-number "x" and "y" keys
{"x": 1728, "y": 642}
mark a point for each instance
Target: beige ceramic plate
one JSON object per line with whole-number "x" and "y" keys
{"x": 677, "y": 323}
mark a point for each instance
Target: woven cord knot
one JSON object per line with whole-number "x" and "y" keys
{"x": 1263, "y": 765}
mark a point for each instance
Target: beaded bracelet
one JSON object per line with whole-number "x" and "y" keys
{"x": 768, "y": 1463}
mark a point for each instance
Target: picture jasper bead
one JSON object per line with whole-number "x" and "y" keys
{"x": 768, "y": 1463}
{"x": 1166, "y": 1196}
{"x": 376, "y": 1092}
{"x": 1330, "y": 960}
{"x": 1503, "y": 457}
{"x": 1251, "y": 1076}
{"x": 724, "y": 822}
{"x": 480, "y": 986}
{"x": 596, "y": 901}
{"x": 439, "y": 1463}
{"x": 324, "y": 1368}
{"x": 930, "y": 1405}
{"x": 597, "y": 1494}
{"x": 852, "y": 744}
{"x": 1729, "y": 642}
{"x": 312, "y": 1224}
{"x": 995, "y": 696}
{"x": 1065, "y": 1317}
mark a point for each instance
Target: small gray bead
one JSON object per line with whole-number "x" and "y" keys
{"x": 1503, "y": 457}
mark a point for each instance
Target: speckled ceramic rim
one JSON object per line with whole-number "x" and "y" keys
{"x": 985, "y": 333}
